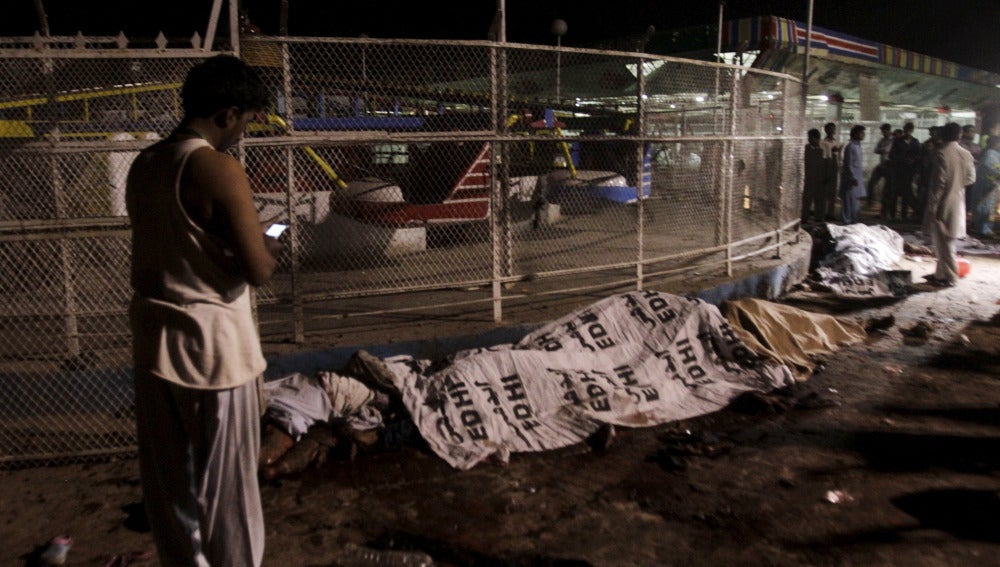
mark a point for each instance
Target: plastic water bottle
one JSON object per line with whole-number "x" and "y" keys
{"x": 359, "y": 556}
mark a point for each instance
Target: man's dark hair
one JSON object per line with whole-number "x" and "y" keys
{"x": 856, "y": 131}
{"x": 814, "y": 133}
{"x": 221, "y": 82}
{"x": 885, "y": 126}
{"x": 908, "y": 127}
{"x": 951, "y": 132}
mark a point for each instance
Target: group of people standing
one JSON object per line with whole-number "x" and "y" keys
{"x": 904, "y": 174}
{"x": 833, "y": 171}
{"x": 936, "y": 182}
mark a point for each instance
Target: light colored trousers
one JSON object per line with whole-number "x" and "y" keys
{"x": 198, "y": 453}
{"x": 945, "y": 252}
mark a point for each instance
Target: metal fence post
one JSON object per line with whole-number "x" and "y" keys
{"x": 498, "y": 71}
{"x": 640, "y": 172}
{"x": 297, "y": 309}
{"x": 70, "y": 323}
{"x": 730, "y": 172}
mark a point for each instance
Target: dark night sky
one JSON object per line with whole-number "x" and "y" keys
{"x": 962, "y": 31}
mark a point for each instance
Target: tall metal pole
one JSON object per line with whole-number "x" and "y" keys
{"x": 283, "y": 19}
{"x": 558, "y": 29}
{"x": 213, "y": 21}
{"x": 718, "y": 41}
{"x": 558, "y": 64}
{"x": 809, "y": 32}
{"x": 43, "y": 20}
{"x": 718, "y": 50}
{"x": 234, "y": 27}
{"x": 502, "y": 24}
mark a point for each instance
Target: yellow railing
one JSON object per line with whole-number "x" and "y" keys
{"x": 278, "y": 121}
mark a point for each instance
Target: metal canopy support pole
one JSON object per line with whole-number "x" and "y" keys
{"x": 805, "y": 86}
{"x": 809, "y": 32}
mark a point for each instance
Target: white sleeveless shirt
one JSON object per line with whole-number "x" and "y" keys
{"x": 191, "y": 321}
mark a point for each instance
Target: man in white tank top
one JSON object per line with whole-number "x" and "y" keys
{"x": 197, "y": 246}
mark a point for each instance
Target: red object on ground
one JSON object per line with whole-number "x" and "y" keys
{"x": 963, "y": 267}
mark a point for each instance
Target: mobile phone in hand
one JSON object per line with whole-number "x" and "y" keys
{"x": 275, "y": 230}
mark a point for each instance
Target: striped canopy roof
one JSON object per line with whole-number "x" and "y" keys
{"x": 767, "y": 32}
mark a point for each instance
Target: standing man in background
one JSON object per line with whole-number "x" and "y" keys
{"x": 852, "y": 181}
{"x": 831, "y": 157}
{"x": 903, "y": 157}
{"x": 968, "y": 141}
{"x": 197, "y": 246}
{"x": 925, "y": 166}
{"x": 881, "y": 171}
{"x": 944, "y": 216}
{"x": 813, "y": 181}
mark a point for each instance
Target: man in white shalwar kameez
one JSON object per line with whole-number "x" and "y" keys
{"x": 944, "y": 217}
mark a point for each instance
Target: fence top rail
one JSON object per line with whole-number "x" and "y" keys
{"x": 50, "y": 45}
{"x": 292, "y": 40}
{"x": 109, "y": 53}
{"x": 79, "y": 46}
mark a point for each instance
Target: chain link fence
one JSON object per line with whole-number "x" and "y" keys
{"x": 420, "y": 179}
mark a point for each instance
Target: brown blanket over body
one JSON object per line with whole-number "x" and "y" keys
{"x": 790, "y": 335}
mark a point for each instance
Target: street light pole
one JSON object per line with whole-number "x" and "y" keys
{"x": 718, "y": 35}
{"x": 502, "y": 21}
{"x": 718, "y": 48}
{"x": 43, "y": 19}
{"x": 559, "y": 28}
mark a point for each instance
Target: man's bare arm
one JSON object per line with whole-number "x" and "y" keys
{"x": 229, "y": 200}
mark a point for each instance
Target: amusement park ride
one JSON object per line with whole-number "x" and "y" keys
{"x": 370, "y": 187}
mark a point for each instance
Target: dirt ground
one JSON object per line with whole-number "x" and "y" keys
{"x": 889, "y": 455}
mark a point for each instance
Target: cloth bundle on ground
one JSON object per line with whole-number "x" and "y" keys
{"x": 790, "y": 335}
{"x": 853, "y": 260}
